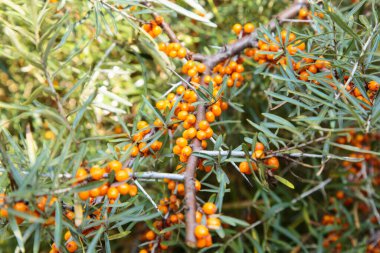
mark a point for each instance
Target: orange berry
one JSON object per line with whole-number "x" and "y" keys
{"x": 224, "y": 106}
{"x": 249, "y": 28}
{"x": 191, "y": 119}
{"x": 67, "y": 235}
{"x": 181, "y": 189}
{"x": 303, "y": 13}
{"x": 201, "y": 231}
{"x": 81, "y": 174}
{"x": 71, "y": 246}
{"x": 186, "y": 151}
{"x": 201, "y": 68}
{"x": 121, "y": 175}
{"x": 209, "y": 208}
{"x": 94, "y": 192}
{"x": 313, "y": 69}
{"x": 182, "y": 115}
{"x": 123, "y": 189}
{"x": 157, "y": 31}
{"x": 181, "y": 142}
{"x": 259, "y": 146}
{"x": 150, "y": 235}
{"x": 147, "y": 27}
{"x": 182, "y": 52}
{"x": 244, "y": 168}
{"x": 162, "y": 46}
{"x": 191, "y": 133}
{"x": 209, "y": 132}
{"x": 304, "y": 76}
{"x": 237, "y": 28}
{"x": 273, "y": 163}
{"x": 159, "y": 20}
{"x": 112, "y": 192}
{"x": 204, "y": 144}
{"x": 173, "y": 54}
{"x": 201, "y": 135}
{"x": 216, "y": 110}
{"x": 192, "y": 72}
{"x": 373, "y": 86}
{"x": 85, "y": 195}
{"x": 133, "y": 190}
{"x": 210, "y": 117}
{"x": 115, "y": 165}
{"x": 20, "y": 206}
{"x": 203, "y": 125}
{"x": 197, "y": 185}
{"x": 96, "y": 173}
{"x": 213, "y": 223}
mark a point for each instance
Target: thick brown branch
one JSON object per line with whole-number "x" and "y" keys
{"x": 211, "y": 61}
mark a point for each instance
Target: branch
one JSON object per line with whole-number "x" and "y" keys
{"x": 251, "y": 40}
{"x": 280, "y": 154}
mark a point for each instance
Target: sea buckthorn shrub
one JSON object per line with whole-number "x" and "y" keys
{"x": 180, "y": 126}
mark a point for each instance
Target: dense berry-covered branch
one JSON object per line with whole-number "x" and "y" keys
{"x": 211, "y": 61}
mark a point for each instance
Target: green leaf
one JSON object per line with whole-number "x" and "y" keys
{"x": 284, "y": 181}
{"x": 58, "y": 224}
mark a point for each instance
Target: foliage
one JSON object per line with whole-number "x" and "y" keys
{"x": 83, "y": 84}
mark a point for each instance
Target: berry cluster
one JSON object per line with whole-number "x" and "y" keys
{"x": 154, "y": 27}
{"x": 258, "y": 154}
{"x": 173, "y": 50}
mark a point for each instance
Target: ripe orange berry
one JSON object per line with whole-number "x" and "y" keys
{"x": 191, "y": 133}
{"x": 304, "y": 76}
{"x": 303, "y": 13}
{"x": 150, "y": 235}
{"x": 204, "y": 144}
{"x": 121, "y": 175}
{"x": 244, "y": 168}
{"x": 201, "y": 231}
{"x": 273, "y": 163}
{"x": 249, "y": 28}
{"x": 209, "y": 208}
{"x": 216, "y": 110}
{"x": 191, "y": 119}
{"x": 157, "y": 31}
{"x": 162, "y": 46}
{"x": 115, "y": 165}
{"x": 313, "y": 69}
{"x": 67, "y": 235}
{"x": 181, "y": 142}
{"x": 181, "y": 189}
{"x": 81, "y": 174}
{"x": 182, "y": 115}
{"x": 197, "y": 185}
{"x": 209, "y": 132}
{"x": 85, "y": 195}
{"x": 198, "y": 216}
{"x": 123, "y": 189}
{"x": 259, "y": 146}
{"x": 201, "y": 68}
{"x": 192, "y": 72}
{"x": 94, "y": 192}
{"x": 186, "y": 151}
{"x": 201, "y": 135}
{"x": 237, "y": 28}
{"x": 96, "y": 173}
{"x": 133, "y": 190}
{"x": 373, "y": 86}
{"x": 147, "y": 27}
{"x": 112, "y": 193}
{"x": 210, "y": 117}
{"x": 20, "y": 206}
{"x": 213, "y": 223}
{"x": 71, "y": 246}
{"x": 203, "y": 125}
